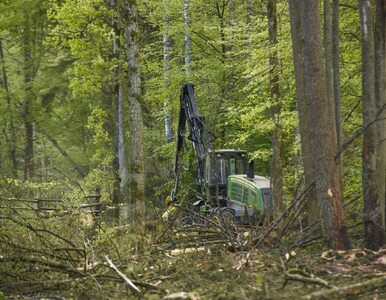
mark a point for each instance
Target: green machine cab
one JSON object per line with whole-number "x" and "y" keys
{"x": 219, "y": 164}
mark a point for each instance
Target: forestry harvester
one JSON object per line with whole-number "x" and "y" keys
{"x": 223, "y": 180}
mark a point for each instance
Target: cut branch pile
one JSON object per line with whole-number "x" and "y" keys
{"x": 56, "y": 255}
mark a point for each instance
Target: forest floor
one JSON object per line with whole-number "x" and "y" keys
{"x": 215, "y": 272}
{"x": 62, "y": 257}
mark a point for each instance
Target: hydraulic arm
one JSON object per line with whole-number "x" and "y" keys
{"x": 198, "y": 135}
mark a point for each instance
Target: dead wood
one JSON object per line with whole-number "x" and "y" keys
{"x": 307, "y": 279}
{"x": 129, "y": 283}
{"x": 288, "y": 214}
{"x": 370, "y": 286}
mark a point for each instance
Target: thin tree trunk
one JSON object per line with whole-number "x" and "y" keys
{"x": 113, "y": 92}
{"x": 12, "y": 146}
{"x": 167, "y": 67}
{"x": 249, "y": 23}
{"x": 304, "y": 130}
{"x": 137, "y": 181}
{"x": 108, "y": 106}
{"x": 374, "y": 233}
{"x": 120, "y": 167}
{"x": 323, "y": 138}
{"x": 380, "y": 27}
{"x": 27, "y": 105}
{"x": 336, "y": 80}
{"x": 122, "y": 157}
{"x": 187, "y": 40}
{"x": 277, "y": 165}
{"x": 331, "y": 58}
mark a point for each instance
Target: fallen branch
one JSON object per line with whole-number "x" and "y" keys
{"x": 129, "y": 283}
{"x": 275, "y": 224}
{"x": 306, "y": 279}
{"x": 349, "y": 290}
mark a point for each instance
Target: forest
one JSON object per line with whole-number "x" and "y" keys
{"x": 192, "y": 149}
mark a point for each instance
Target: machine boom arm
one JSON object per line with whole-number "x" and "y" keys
{"x": 198, "y": 135}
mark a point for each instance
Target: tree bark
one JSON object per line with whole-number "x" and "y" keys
{"x": 120, "y": 167}
{"x": 12, "y": 146}
{"x": 167, "y": 67}
{"x": 336, "y": 81}
{"x": 28, "y": 95}
{"x": 304, "y": 130}
{"x": 137, "y": 182}
{"x": 374, "y": 232}
{"x": 323, "y": 138}
{"x": 328, "y": 49}
{"x": 331, "y": 58}
{"x": 380, "y": 27}
{"x": 277, "y": 165}
{"x": 187, "y": 40}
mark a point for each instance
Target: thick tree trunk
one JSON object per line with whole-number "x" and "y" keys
{"x": 167, "y": 67}
{"x": 323, "y": 136}
{"x": 137, "y": 182}
{"x": 328, "y": 49}
{"x": 10, "y": 124}
{"x": 277, "y": 165}
{"x": 380, "y": 27}
{"x": 304, "y": 130}
{"x": 374, "y": 232}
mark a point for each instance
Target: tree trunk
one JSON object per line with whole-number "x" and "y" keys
{"x": 323, "y": 138}
{"x": 137, "y": 183}
{"x": 380, "y": 27}
{"x": 304, "y": 130}
{"x": 167, "y": 67}
{"x": 10, "y": 124}
{"x": 331, "y": 58}
{"x": 187, "y": 40}
{"x": 336, "y": 80}
{"x": 328, "y": 49}
{"x": 112, "y": 215}
{"x": 374, "y": 233}
{"x": 28, "y": 94}
{"x": 120, "y": 167}
{"x": 277, "y": 165}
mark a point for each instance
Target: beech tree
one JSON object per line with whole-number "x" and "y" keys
{"x": 380, "y": 40}
{"x": 277, "y": 166}
{"x": 323, "y": 134}
{"x": 374, "y": 230}
{"x": 11, "y": 136}
{"x": 302, "y": 108}
{"x": 137, "y": 180}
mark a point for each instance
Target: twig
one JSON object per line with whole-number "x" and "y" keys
{"x": 130, "y": 284}
{"x": 359, "y": 132}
